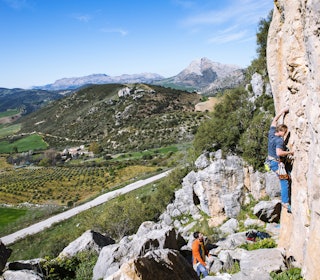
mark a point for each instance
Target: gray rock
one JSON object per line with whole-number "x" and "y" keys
{"x": 157, "y": 265}
{"x": 202, "y": 161}
{"x": 253, "y": 222}
{"x": 257, "y": 85}
{"x": 268, "y": 211}
{"x": 88, "y": 241}
{"x": 231, "y": 242}
{"x": 232, "y": 203}
{"x": 216, "y": 266}
{"x": 223, "y": 276}
{"x": 21, "y": 275}
{"x": 107, "y": 262}
{"x": 262, "y": 260}
{"x": 257, "y": 182}
{"x": 251, "y": 275}
{"x": 149, "y": 237}
{"x": 272, "y": 185}
{"x": 229, "y": 226}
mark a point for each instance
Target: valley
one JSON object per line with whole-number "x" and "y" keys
{"x": 43, "y": 170}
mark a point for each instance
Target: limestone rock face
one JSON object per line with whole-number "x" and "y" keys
{"x": 293, "y": 57}
{"x": 219, "y": 186}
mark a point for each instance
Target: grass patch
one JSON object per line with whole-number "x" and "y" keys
{"x": 6, "y": 130}
{"x": 9, "y": 113}
{"x": 150, "y": 153}
{"x": 10, "y": 215}
{"x": 13, "y": 219}
{"x": 31, "y": 142}
{"x": 25, "y": 144}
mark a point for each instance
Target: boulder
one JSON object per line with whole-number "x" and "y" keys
{"x": 156, "y": 265}
{"x": 88, "y": 241}
{"x": 149, "y": 237}
{"x": 229, "y": 226}
{"x": 231, "y": 242}
{"x": 268, "y": 211}
{"x": 251, "y": 275}
{"x": 21, "y": 275}
{"x": 262, "y": 260}
{"x": 107, "y": 262}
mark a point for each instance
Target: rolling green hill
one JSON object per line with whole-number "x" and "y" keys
{"x": 144, "y": 117}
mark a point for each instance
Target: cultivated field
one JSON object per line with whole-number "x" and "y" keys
{"x": 62, "y": 185}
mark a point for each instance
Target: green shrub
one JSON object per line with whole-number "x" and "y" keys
{"x": 79, "y": 267}
{"x": 227, "y": 122}
{"x": 290, "y": 274}
{"x": 234, "y": 269}
{"x": 260, "y": 244}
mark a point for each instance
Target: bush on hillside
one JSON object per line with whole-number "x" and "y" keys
{"x": 239, "y": 126}
{"x": 227, "y": 122}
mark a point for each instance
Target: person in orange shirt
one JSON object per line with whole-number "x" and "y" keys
{"x": 199, "y": 254}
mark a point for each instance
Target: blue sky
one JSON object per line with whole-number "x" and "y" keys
{"x": 46, "y": 40}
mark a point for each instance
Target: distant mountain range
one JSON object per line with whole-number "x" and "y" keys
{"x": 201, "y": 75}
{"x": 98, "y": 79}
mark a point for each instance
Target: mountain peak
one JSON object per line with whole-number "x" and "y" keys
{"x": 202, "y": 72}
{"x": 198, "y": 66}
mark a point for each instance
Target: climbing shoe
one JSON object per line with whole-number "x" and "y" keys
{"x": 287, "y": 206}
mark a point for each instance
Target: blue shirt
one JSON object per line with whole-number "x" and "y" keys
{"x": 274, "y": 142}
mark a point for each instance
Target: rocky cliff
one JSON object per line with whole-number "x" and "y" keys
{"x": 293, "y": 56}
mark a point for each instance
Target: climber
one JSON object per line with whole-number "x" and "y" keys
{"x": 277, "y": 152}
{"x": 199, "y": 254}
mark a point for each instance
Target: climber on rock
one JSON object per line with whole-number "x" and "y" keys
{"x": 199, "y": 253}
{"x": 277, "y": 154}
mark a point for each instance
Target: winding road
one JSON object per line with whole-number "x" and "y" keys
{"x": 35, "y": 228}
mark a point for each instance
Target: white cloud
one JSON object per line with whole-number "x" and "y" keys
{"x": 228, "y": 37}
{"x": 245, "y": 11}
{"x": 82, "y": 18}
{"x": 115, "y": 30}
{"x": 234, "y": 22}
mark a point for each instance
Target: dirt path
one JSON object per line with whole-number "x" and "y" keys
{"x": 11, "y": 238}
{"x": 207, "y": 105}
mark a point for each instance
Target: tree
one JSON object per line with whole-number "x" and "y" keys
{"x": 95, "y": 148}
{"x": 254, "y": 141}
{"x": 230, "y": 118}
{"x": 123, "y": 217}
